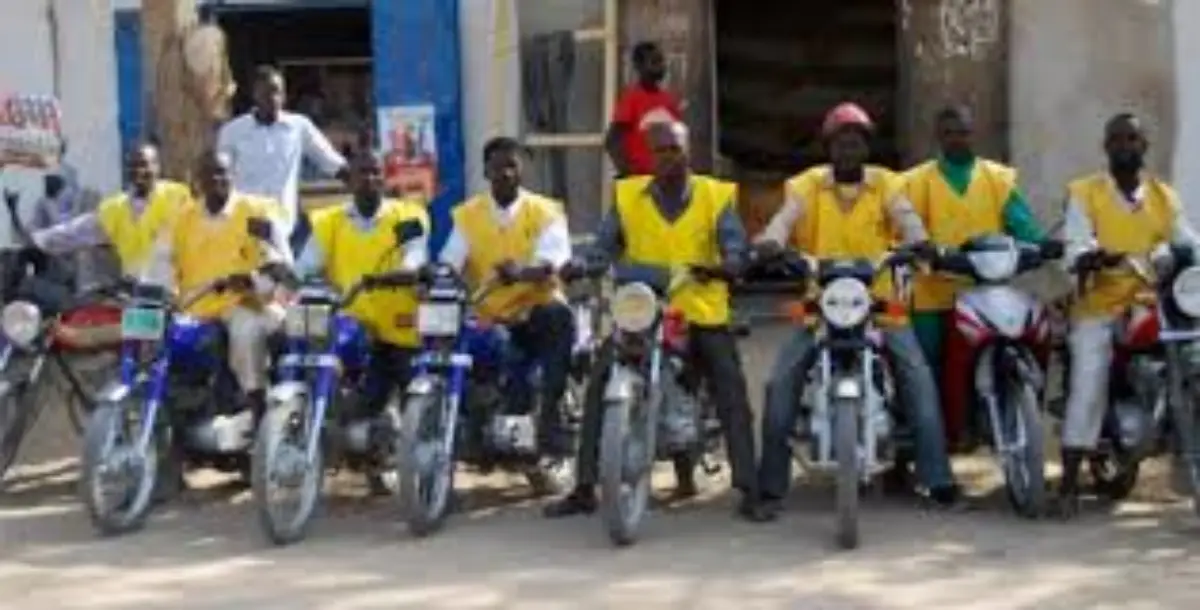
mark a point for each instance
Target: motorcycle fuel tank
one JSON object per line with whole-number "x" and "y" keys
{"x": 1000, "y": 309}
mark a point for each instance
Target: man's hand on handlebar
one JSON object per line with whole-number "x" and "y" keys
{"x": 727, "y": 271}
{"x": 1051, "y": 249}
{"x": 238, "y": 282}
{"x": 1095, "y": 260}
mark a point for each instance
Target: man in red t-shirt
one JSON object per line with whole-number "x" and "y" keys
{"x": 640, "y": 105}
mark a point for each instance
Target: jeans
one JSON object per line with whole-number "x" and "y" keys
{"x": 389, "y": 370}
{"x": 714, "y": 353}
{"x": 917, "y": 390}
{"x": 300, "y": 233}
{"x": 549, "y": 334}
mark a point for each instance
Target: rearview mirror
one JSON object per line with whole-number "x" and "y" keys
{"x": 260, "y": 228}
{"x": 408, "y": 230}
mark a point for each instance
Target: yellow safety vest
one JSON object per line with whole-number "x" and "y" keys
{"x": 860, "y": 229}
{"x": 489, "y": 243}
{"x": 206, "y": 247}
{"x": 351, "y": 253}
{"x": 134, "y": 237}
{"x": 1121, "y": 229}
{"x": 691, "y": 239}
{"x": 952, "y": 219}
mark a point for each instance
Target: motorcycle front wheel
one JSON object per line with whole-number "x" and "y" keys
{"x": 279, "y": 463}
{"x": 15, "y": 421}
{"x": 845, "y": 415}
{"x": 1025, "y": 470}
{"x": 626, "y": 461}
{"x": 425, "y": 475}
{"x": 117, "y": 483}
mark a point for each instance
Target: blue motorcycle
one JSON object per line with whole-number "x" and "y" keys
{"x": 474, "y": 398}
{"x": 311, "y": 421}
{"x": 167, "y": 360}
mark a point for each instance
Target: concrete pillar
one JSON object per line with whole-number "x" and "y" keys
{"x": 1186, "y": 26}
{"x": 953, "y": 51}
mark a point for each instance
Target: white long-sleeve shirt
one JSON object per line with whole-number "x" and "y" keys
{"x": 553, "y": 245}
{"x": 1079, "y": 234}
{"x": 267, "y": 157}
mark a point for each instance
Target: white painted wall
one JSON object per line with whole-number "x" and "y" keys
{"x": 88, "y": 88}
{"x": 1186, "y": 23}
{"x": 491, "y": 77}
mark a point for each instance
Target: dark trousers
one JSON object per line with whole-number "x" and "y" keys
{"x": 714, "y": 354}
{"x": 549, "y": 335}
{"x": 389, "y": 370}
{"x": 300, "y": 233}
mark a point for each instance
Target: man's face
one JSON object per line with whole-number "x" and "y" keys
{"x": 366, "y": 179}
{"x": 142, "y": 168}
{"x": 652, "y": 67}
{"x": 1125, "y": 144}
{"x": 503, "y": 171}
{"x": 848, "y": 149}
{"x": 955, "y": 135}
{"x": 669, "y": 148}
{"x": 214, "y": 178}
{"x": 268, "y": 94}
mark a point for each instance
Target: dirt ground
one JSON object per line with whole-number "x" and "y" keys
{"x": 206, "y": 552}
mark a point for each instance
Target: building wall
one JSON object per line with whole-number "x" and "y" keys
{"x": 83, "y": 48}
{"x": 1077, "y": 62}
{"x": 1186, "y": 38}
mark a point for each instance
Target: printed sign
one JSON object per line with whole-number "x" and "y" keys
{"x": 30, "y": 130}
{"x": 410, "y": 151}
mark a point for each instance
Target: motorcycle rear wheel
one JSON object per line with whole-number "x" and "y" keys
{"x": 624, "y": 486}
{"x": 283, "y": 430}
{"x": 846, "y": 414}
{"x": 425, "y": 478}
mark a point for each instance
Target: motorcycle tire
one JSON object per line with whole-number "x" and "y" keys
{"x": 1025, "y": 472}
{"x": 90, "y": 377}
{"x": 108, "y": 430}
{"x": 624, "y": 485}
{"x": 424, "y": 478}
{"x": 282, "y": 430}
{"x": 846, "y": 448}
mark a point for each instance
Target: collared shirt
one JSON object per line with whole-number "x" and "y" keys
{"x": 267, "y": 157}
{"x": 900, "y": 211}
{"x": 1079, "y": 234}
{"x": 731, "y": 234}
{"x": 553, "y": 245}
{"x": 312, "y": 259}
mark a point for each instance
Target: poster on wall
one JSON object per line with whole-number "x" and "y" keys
{"x": 409, "y": 142}
{"x": 30, "y": 130}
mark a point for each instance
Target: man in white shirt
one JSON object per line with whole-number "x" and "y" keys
{"x": 519, "y": 240}
{"x": 268, "y": 145}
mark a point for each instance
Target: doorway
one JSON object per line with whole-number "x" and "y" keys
{"x": 781, "y": 65}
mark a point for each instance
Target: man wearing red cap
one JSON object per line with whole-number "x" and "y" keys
{"x": 849, "y": 209}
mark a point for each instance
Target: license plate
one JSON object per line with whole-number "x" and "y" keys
{"x": 143, "y": 324}
{"x": 439, "y": 319}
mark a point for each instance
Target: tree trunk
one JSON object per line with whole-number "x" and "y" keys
{"x": 176, "y": 120}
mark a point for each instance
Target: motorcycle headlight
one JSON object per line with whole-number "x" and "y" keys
{"x": 307, "y": 321}
{"x": 1185, "y": 291}
{"x": 21, "y": 321}
{"x": 845, "y": 302}
{"x": 634, "y": 308}
{"x": 995, "y": 265}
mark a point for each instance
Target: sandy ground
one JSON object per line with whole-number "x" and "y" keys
{"x": 206, "y": 551}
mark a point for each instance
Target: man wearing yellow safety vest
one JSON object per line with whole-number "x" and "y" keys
{"x": 520, "y": 240}
{"x": 671, "y": 219}
{"x": 848, "y": 209}
{"x": 959, "y": 196}
{"x": 211, "y": 240}
{"x": 131, "y": 221}
{"x": 1121, "y": 211}
{"x": 357, "y": 239}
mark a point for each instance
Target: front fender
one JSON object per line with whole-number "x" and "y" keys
{"x": 622, "y": 384}
{"x": 113, "y": 393}
{"x": 424, "y": 385}
{"x": 287, "y": 392}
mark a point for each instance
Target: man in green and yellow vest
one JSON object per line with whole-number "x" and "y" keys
{"x": 358, "y": 239}
{"x": 1124, "y": 210}
{"x": 959, "y": 196}
{"x": 848, "y": 209}
{"x": 211, "y": 240}
{"x": 519, "y": 239}
{"x": 673, "y": 219}
{"x": 131, "y": 221}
